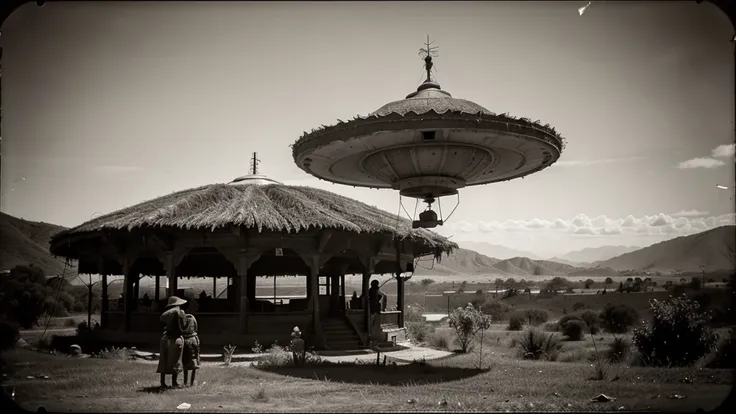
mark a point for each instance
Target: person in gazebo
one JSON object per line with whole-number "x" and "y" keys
{"x": 172, "y": 342}
{"x": 377, "y": 304}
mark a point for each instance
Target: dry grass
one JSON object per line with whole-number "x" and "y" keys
{"x": 85, "y": 385}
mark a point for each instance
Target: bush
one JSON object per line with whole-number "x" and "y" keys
{"x": 573, "y": 329}
{"x": 536, "y": 316}
{"x": 495, "y": 309}
{"x": 414, "y": 313}
{"x": 9, "y": 335}
{"x": 441, "y": 339}
{"x": 536, "y": 345}
{"x": 516, "y": 322}
{"x": 578, "y": 306}
{"x": 69, "y": 323}
{"x": 552, "y": 327}
{"x": 82, "y": 328}
{"x": 418, "y": 331}
{"x": 467, "y": 322}
{"x": 678, "y": 334}
{"x": 725, "y": 354}
{"x": 618, "y": 318}
{"x": 618, "y": 351}
{"x": 24, "y": 296}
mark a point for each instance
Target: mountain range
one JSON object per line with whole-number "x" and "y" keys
{"x": 26, "y": 242}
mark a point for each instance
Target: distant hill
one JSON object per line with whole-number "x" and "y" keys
{"x": 460, "y": 262}
{"x": 493, "y": 250}
{"x": 594, "y": 254}
{"x": 713, "y": 248}
{"x": 27, "y": 242}
{"x": 558, "y": 259}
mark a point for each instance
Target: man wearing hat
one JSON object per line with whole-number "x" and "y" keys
{"x": 172, "y": 342}
{"x": 376, "y": 304}
{"x": 297, "y": 346}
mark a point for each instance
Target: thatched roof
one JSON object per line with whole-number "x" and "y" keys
{"x": 428, "y": 107}
{"x": 269, "y": 207}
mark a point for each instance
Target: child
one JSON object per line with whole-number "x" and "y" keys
{"x": 172, "y": 343}
{"x": 297, "y": 346}
{"x": 190, "y": 355}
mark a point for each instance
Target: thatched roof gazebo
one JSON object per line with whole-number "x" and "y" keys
{"x": 251, "y": 227}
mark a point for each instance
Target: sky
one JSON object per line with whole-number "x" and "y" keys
{"x": 106, "y": 105}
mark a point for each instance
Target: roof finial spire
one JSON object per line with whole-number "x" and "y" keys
{"x": 254, "y": 164}
{"x": 428, "y": 52}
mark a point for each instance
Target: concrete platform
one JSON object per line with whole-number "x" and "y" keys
{"x": 405, "y": 352}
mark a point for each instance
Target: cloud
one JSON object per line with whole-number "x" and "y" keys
{"x": 724, "y": 151}
{"x": 701, "y": 163}
{"x": 721, "y": 151}
{"x": 689, "y": 213}
{"x": 581, "y": 163}
{"x": 581, "y": 225}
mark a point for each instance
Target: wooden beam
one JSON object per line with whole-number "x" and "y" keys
{"x": 322, "y": 240}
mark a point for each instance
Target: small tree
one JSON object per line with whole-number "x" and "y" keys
{"x": 678, "y": 334}
{"x": 536, "y": 316}
{"x": 609, "y": 281}
{"x": 426, "y": 282}
{"x": 618, "y": 318}
{"x": 695, "y": 284}
{"x": 516, "y": 322}
{"x": 24, "y": 296}
{"x": 495, "y": 309}
{"x": 573, "y": 329}
{"x": 467, "y": 322}
{"x": 589, "y": 283}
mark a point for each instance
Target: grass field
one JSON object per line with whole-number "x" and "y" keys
{"x": 505, "y": 383}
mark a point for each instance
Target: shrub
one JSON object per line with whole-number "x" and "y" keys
{"x": 276, "y": 356}
{"x": 536, "y": 316}
{"x": 619, "y": 350}
{"x": 414, "y": 314}
{"x": 418, "y": 331}
{"x": 618, "y": 318}
{"x": 578, "y": 306}
{"x": 115, "y": 353}
{"x": 24, "y": 296}
{"x": 495, "y": 309}
{"x": 441, "y": 339}
{"x": 467, "y": 322}
{"x": 9, "y": 335}
{"x": 678, "y": 334}
{"x": 552, "y": 327}
{"x": 725, "y": 353}
{"x": 82, "y": 328}
{"x": 536, "y": 344}
{"x": 516, "y": 322}
{"x": 573, "y": 329}
{"x": 70, "y": 323}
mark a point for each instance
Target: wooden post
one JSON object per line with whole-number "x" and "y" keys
{"x": 104, "y": 306}
{"x": 400, "y": 299}
{"x": 157, "y": 295}
{"x": 214, "y": 287}
{"x": 243, "y": 265}
{"x": 366, "y": 305}
{"x": 342, "y": 291}
{"x": 136, "y": 291}
{"x": 171, "y": 274}
{"x": 252, "y": 288}
{"x": 314, "y": 265}
{"x": 127, "y": 293}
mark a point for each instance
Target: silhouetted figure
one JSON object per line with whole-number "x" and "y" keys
{"x": 355, "y": 301}
{"x": 146, "y": 301}
{"x": 298, "y": 350}
{"x": 172, "y": 342}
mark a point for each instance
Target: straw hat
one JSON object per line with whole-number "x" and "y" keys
{"x": 296, "y": 332}
{"x": 175, "y": 301}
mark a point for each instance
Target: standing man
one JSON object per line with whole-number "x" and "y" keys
{"x": 377, "y": 303}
